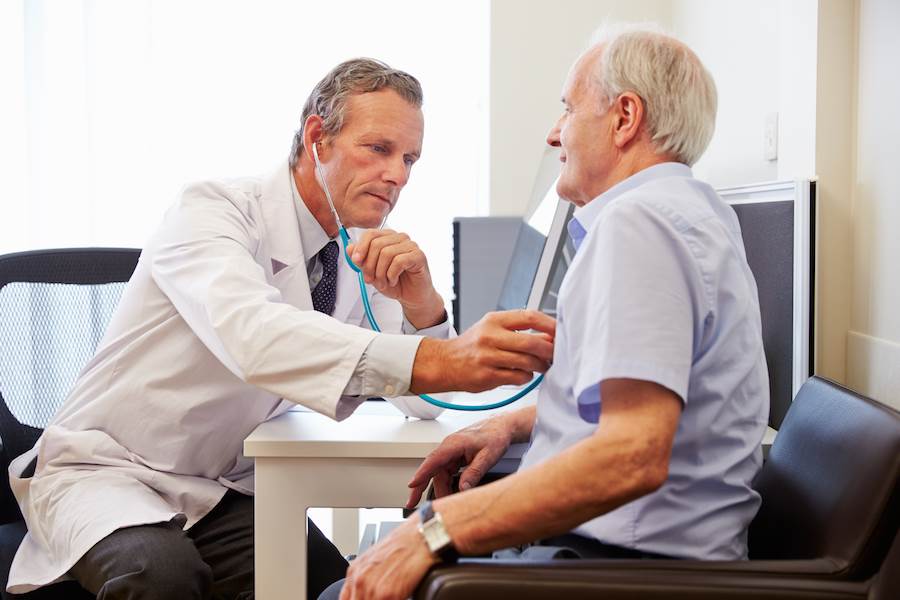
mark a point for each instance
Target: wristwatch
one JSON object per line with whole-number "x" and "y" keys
{"x": 431, "y": 526}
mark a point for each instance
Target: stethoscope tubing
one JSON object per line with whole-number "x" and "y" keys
{"x": 364, "y": 294}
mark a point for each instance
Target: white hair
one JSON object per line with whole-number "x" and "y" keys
{"x": 678, "y": 93}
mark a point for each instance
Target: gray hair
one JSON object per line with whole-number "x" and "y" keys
{"x": 678, "y": 93}
{"x": 356, "y": 76}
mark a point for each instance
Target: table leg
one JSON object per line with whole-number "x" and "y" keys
{"x": 287, "y": 487}
{"x": 280, "y": 534}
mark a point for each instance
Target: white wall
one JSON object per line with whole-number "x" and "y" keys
{"x": 107, "y": 109}
{"x": 739, "y": 44}
{"x": 797, "y": 57}
{"x": 762, "y": 55}
{"x": 873, "y": 347}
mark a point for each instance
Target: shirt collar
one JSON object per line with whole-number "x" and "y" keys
{"x": 312, "y": 237}
{"x": 585, "y": 216}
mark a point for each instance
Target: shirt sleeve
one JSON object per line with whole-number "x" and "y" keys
{"x": 385, "y": 369}
{"x": 637, "y": 292}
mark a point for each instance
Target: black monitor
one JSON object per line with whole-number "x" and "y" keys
{"x": 534, "y": 259}
{"x": 522, "y": 268}
{"x": 554, "y": 262}
{"x": 778, "y": 226}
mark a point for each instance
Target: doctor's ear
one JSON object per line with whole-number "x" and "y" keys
{"x": 313, "y": 134}
{"x": 319, "y": 148}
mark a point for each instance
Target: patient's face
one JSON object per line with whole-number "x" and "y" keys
{"x": 584, "y": 133}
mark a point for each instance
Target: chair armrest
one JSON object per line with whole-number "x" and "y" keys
{"x": 614, "y": 579}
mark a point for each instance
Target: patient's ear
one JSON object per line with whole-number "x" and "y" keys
{"x": 628, "y": 111}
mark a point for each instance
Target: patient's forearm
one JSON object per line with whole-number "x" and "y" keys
{"x": 551, "y": 498}
{"x": 626, "y": 458}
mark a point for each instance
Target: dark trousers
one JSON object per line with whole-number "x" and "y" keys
{"x": 213, "y": 560}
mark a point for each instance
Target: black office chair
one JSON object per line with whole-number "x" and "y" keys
{"x": 54, "y": 308}
{"x": 827, "y": 527}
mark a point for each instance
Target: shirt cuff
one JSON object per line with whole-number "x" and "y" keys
{"x": 385, "y": 367}
{"x": 441, "y": 330}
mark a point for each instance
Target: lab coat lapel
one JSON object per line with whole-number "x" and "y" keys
{"x": 294, "y": 286}
{"x": 288, "y": 265}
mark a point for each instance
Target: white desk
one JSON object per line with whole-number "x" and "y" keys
{"x": 305, "y": 460}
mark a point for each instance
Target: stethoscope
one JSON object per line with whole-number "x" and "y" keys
{"x": 345, "y": 241}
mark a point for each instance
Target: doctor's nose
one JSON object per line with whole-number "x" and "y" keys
{"x": 396, "y": 172}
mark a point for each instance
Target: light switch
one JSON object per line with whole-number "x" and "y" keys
{"x": 770, "y": 150}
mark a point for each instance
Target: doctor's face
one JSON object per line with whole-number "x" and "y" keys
{"x": 584, "y": 134}
{"x": 369, "y": 161}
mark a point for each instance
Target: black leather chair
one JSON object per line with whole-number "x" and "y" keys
{"x": 830, "y": 512}
{"x": 54, "y": 307}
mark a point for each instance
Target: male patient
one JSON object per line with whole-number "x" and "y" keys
{"x": 646, "y": 434}
{"x": 241, "y": 306}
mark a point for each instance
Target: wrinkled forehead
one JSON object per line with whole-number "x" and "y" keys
{"x": 582, "y": 77}
{"x": 387, "y": 114}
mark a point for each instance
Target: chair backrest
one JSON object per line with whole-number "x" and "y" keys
{"x": 887, "y": 583}
{"x": 830, "y": 484}
{"x": 54, "y": 307}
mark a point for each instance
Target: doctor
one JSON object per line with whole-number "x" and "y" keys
{"x": 239, "y": 308}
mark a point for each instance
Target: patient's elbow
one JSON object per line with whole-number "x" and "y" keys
{"x": 655, "y": 476}
{"x": 654, "y": 473}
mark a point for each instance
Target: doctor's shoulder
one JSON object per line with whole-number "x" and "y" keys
{"x": 241, "y": 193}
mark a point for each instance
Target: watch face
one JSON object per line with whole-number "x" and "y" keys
{"x": 431, "y": 526}
{"x": 435, "y": 535}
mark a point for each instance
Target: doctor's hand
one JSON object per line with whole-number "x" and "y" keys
{"x": 497, "y": 350}
{"x": 397, "y": 267}
{"x": 392, "y": 568}
{"x": 477, "y": 447}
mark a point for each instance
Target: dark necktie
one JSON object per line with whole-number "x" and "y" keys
{"x": 325, "y": 292}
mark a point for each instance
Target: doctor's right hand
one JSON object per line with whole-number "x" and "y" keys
{"x": 497, "y": 350}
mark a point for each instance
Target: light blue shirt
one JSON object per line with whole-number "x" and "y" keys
{"x": 659, "y": 290}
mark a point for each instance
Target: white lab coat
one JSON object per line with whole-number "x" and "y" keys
{"x": 214, "y": 334}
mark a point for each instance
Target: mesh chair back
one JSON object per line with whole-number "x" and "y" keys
{"x": 54, "y": 307}
{"x": 831, "y": 484}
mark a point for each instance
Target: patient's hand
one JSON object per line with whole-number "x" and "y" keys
{"x": 495, "y": 351}
{"x": 477, "y": 448}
